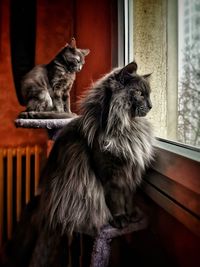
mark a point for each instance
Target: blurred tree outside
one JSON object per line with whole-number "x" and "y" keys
{"x": 189, "y": 97}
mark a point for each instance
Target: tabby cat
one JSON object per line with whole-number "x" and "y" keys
{"x": 46, "y": 88}
{"x": 99, "y": 158}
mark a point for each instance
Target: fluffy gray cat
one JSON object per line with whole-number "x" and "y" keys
{"x": 99, "y": 158}
{"x": 46, "y": 88}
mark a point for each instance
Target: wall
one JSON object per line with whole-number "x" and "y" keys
{"x": 9, "y": 106}
{"x": 155, "y": 48}
{"x": 93, "y": 31}
{"x": 150, "y": 46}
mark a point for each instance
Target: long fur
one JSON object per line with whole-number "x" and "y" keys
{"x": 107, "y": 146}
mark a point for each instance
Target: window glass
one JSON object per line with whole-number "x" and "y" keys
{"x": 188, "y": 129}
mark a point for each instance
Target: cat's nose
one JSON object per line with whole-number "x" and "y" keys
{"x": 149, "y": 104}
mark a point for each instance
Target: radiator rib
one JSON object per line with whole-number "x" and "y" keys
{"x": 9, "y": 193}
{"x": 37, "y": 168}
{"x": 28, "y": 178}
{"x": 1, "y": 195}
{"x": 19, "y": 183}
{"x": 19, "y": 178}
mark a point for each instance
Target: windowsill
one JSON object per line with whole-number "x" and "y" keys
{"x": 173, "y": 182}
{"x": 186, "y": 151}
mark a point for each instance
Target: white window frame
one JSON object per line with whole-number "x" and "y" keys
{"x": 125, "y": 32}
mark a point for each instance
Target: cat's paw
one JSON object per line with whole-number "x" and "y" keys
{"x": 73, "y": 114}
{"x": 23, "y": 115}
{"x": 120, "y": 221}
{"x": 136, "y": 215}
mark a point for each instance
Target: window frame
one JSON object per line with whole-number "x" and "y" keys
{"x": 179, "y": 148}
{"x": 125, "y": 32}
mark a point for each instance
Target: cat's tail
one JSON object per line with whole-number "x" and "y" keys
{"x": 45, "y": 115}
{"x": 32, "y": 244}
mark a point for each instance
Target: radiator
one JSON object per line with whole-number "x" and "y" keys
{"x": 19, "y": 177}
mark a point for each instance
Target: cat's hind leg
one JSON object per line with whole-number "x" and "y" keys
{"x": 66, "y": 102}
{"x": 41, "y": 102}
{"x": 57, "y": 101}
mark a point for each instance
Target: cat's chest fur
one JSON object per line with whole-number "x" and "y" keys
{"x": 62, "y": 78}
{"x": 124, "y": 155}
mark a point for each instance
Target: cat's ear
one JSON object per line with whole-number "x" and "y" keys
{"x": 85, "y": 52}
{"x": 147, "y": 76}
{"x": 126, "y": 72}
{"x": 130, "y": 68}
{"x": 73, "y": 43}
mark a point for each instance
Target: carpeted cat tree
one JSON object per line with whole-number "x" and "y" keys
{"x": 101, "y": 248}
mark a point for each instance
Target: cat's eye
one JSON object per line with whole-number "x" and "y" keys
{"x": 77, "y": 59}
{"x": 138, "y": 93}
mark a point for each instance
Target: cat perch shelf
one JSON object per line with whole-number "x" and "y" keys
{"x": 53, "y": 126}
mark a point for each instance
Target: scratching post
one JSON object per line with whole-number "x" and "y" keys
{"x": 101, "y": 248}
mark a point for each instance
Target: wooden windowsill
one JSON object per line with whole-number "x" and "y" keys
{"x": 173, "y": 183}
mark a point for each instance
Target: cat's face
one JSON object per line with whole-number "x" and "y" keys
{"x": 137, "y": 90}
{"x": 74, "y": 58}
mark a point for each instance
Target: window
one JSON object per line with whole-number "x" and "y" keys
{"x": 186, "y": 12}
{"x": 197, "y": 7}
{"x": 166, "y": 42}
